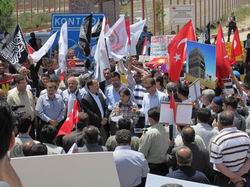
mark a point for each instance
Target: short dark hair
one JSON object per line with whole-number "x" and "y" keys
{"x": 91, "y": 134}
{"x": 45, "y": 75}
{"x": 204, "y": 115}
{"x": 188, "y": 134}
{"x": 115, "y": 74}
{"x": 124, "y": 123}
{"x": 226, "y": 118}
{"x": 83, "y": 121}
{"x": 231, "y": 101}
{"x": 38, "y": 149}
{"x": 150, "y": 80}
{"x": 154, "y": 113}
{"x": 90, "y": 82}
{"x": 160, "y": 80}
{"x": 183, "y": 90}
{"x": 185, "y": 159}
{"x": 125, "y": 91}
{"x": 6, "y": 128}
{"x": 18, "y": 78}
{"x": 123, "y": 137}
{"x": 48, "y": 134}
{"x": 23, "y": 124}
{"x": 26, "y": 147}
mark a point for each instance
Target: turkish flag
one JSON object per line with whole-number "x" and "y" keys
{"x": 71, "y": 120}
{"x": 223, "y": 67}
{"x": 30, "y": 49}
{"x": 236, "y": 48}
{"x": 177, "y": 50}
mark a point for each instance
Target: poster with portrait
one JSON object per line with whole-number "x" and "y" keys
{"x": 201, "y": 63}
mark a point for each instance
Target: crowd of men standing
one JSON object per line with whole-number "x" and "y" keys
{"x": 213, "y": 149}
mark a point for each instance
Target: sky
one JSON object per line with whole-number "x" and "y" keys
{"x": 209, "y": 54}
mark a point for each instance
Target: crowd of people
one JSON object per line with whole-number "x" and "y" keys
{"x": 121, "y": 114}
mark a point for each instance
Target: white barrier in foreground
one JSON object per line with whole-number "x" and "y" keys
{"x": 159, "y": 181}
{"x": 78, "y": 170}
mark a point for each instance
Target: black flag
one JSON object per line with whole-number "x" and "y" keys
{"x": 85, "y": 35}
{"x": 15, "y": 50}
{"x": 96, "y": 29}
{"x": 207, "y": 34}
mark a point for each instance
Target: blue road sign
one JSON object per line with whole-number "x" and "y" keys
{"x": 74, "y": 23}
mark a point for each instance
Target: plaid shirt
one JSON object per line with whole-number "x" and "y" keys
{"x": 126, "y": 110}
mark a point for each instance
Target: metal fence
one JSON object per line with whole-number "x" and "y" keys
{"x": 40, "y": 6}
{"x": 157, "y": 11}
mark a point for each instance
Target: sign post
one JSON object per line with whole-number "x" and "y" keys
{"x": 74, "y": 24}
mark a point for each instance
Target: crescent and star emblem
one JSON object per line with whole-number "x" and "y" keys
{"x": 177, "y": 56}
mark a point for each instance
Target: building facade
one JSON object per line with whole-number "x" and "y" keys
{"x": 197, "y": 66}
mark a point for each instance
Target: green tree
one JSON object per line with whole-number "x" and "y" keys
{"x": 6, "y": 10}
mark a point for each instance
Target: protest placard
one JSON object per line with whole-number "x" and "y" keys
{"x": 67, "y": 170}
{"x": 183, "y": 113}
{"x": 159, "y": 45}
{"x": 201, "y": 64}
{"x": 195, "y": 90}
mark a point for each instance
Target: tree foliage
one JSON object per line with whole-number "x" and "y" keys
{"x": 6, "y": 11}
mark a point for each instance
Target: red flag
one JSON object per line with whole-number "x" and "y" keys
{"x": 30, "y": 49}
{"x": 172, "y": 121}
{"x": 236, "y": 48}
{"x": 155, "y": 62}
{"x": 173, "y": 107}
{"x": 177, "y": 50}
{"x": 144, "y": 50}
{"x": 127, "y": 23}
{"x": 71, "y": 120}
{"x": 222, "y": 61}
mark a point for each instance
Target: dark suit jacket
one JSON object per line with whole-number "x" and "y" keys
{"x": 102, "y": 86}
{"x": 91, "y": 108}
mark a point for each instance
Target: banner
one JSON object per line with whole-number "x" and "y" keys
{"x": 159, "y": 45}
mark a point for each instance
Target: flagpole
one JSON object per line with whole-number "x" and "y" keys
{"x": 106, "y": 46}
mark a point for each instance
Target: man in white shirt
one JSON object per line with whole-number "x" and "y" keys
{"x": 203, "y": 128}
{"x": 151, "y": 99}
{"x": 132, "y": 167}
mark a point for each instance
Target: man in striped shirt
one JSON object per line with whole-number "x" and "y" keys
{"x": 230, "y": 152}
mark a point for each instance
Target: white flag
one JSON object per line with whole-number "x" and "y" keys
{"x": 101, "y": 55}
{"x": 117, "y": 40}
{"x": 37, "y": 55}
{"x": 63, "y": 47}
{"x": 135, "y": 31}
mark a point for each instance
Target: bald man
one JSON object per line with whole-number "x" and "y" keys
{"x": 184, "y": 158}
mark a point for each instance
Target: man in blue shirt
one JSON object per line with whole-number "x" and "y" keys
{"x": 132, "y": 167}
{"x": 112, "y": 91}
{"x": 50, "y": 107}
